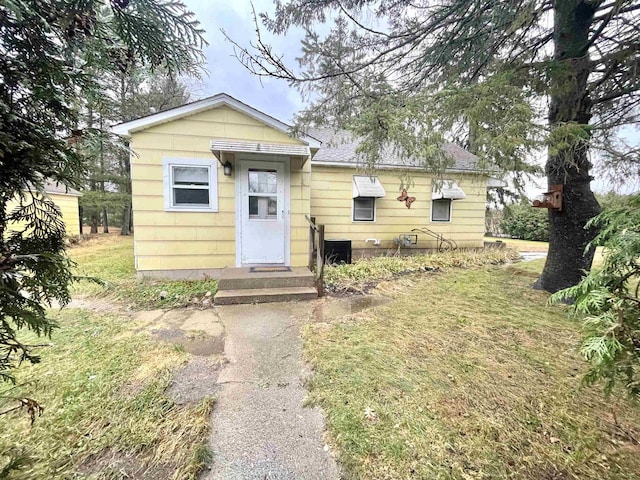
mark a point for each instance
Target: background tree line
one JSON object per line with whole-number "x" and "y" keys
{"x": 68, "y": 68}
{"x": 520, "y": 220}
{"x": 131, "y": 93}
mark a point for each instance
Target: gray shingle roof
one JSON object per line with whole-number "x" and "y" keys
{"x": 340, "y": 147}
{"x": 59, "y": 188}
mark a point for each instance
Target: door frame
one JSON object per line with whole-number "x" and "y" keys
{"x": 286, "y": 162}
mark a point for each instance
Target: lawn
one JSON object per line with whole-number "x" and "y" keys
{"x": 522, "y": 245}
{"x": 103, "y": 381}
{"x": 109, "y": 258}
{"x": 533, "y": 246}
{"x": 466, "y": 374}
{"x": 102, "y": 384}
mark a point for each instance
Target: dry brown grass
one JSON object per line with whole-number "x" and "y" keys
{"x": 109, "y": 258}
{"x": 364, "y": 273}
{"x": 469, "y": 374}
{"x": 106, "y": 411}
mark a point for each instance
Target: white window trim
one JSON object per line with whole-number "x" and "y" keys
{"x": 450, "y": 211}
{"x": 353, "y": 207}
{"x": 212, "y": 165}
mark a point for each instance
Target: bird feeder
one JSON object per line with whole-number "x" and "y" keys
{"x": 551, "y": 199}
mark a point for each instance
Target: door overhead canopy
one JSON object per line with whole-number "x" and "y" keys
{"x": 239, "y": 146}
{"x": 448, "y": 189}
{"x": 364, "y": 186}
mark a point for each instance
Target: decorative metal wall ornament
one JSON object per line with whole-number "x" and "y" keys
{"x": 404, "y": 197}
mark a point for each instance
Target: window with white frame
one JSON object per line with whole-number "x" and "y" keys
{"x": 443, "y": 193}
{"x": 364, "y": 209}
{"x": 190, "y": 184}
{"x": 365, "y": 191}
{"x": 441, "y": 210}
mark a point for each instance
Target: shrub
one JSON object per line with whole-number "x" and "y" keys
{"x": 608, "y": 301}
{"x": 368, "y": 271}
{"x": 526, "y": 223}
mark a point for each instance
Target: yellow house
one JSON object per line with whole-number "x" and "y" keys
{"x": 217, "y": 184}
{"x": 67, "y": 201}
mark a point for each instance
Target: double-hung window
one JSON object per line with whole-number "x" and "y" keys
{"x": 365, "y": 191}
{"x": 441, "y": 210}
{"x": 443, "y": 193}
{"x": 364, "y": 209}
{"x": 190, "y": 185}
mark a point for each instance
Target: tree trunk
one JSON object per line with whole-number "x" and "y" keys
{"x": 105, "y": 221}
{"x": 569, "y": 165}
{"x": 126, "y": 220}
{"x": 127, "y": 214}
{"x": 94, "y": 223}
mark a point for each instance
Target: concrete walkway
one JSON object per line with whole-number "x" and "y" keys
{"x": 260, "y": 429}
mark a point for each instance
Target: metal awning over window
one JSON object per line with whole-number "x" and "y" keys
{"x": 239, "y": 146}
{"x": 364, "y": 186}
{"x": 447, "y": 189}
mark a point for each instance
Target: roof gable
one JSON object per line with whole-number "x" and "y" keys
{"x": 193, "y": 108}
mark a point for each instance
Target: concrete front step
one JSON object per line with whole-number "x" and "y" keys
{"x": 243, "y": 278}
{"x": 264, "y": 295}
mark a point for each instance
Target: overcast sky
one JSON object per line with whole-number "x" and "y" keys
{"x": 274, "y": 97}
{"x": 226, "y": 74}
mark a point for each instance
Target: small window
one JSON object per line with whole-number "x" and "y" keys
{"x": 364, "y": 209}
{"x": 441, "y": 210}
{"x": 190, "y": 185}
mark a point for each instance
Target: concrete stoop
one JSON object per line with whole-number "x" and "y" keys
{"x": 240, "y": 285}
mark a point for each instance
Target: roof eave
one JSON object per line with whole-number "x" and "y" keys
{"x": 396, "y": 167}
{"x": 127, "y": 128}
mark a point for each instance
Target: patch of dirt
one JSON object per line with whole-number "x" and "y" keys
{"x": 196, "y": 380}
{"x": 363, "y": 288}
{"x": 113, "y": 464}
{"x": 328, "y": 308}
{"x": 97, "y": 305}
{"x": 196, "y": 343}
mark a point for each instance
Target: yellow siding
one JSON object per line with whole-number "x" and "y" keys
{"x": 331, "y": 204}
{"x": 68, "y": 205}
{"x": 201, "y": 240}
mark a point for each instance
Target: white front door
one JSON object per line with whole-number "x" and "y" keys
{"x": 262, "y": 212}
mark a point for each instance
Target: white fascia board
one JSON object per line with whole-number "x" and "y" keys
{"x": 66, "y": 194}
{"x": 127, "y": 128}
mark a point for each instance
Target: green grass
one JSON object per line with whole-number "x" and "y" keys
{"x": 106, "y": 412}
{"x": 466, "y": 374}
{"x": 109, "y": 258}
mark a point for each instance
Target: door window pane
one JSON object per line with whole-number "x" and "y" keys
{"x": 263, "y": 181}
{"x": 263, "y": 208}
{"x": 272, "y": 209}
{"x": 441, "y": 210}
{"x": 253, "y": 207}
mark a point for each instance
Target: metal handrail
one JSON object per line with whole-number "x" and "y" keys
{"x": 311, "y": 221}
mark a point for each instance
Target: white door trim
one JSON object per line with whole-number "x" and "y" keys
{"x": 286, "y": 162}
